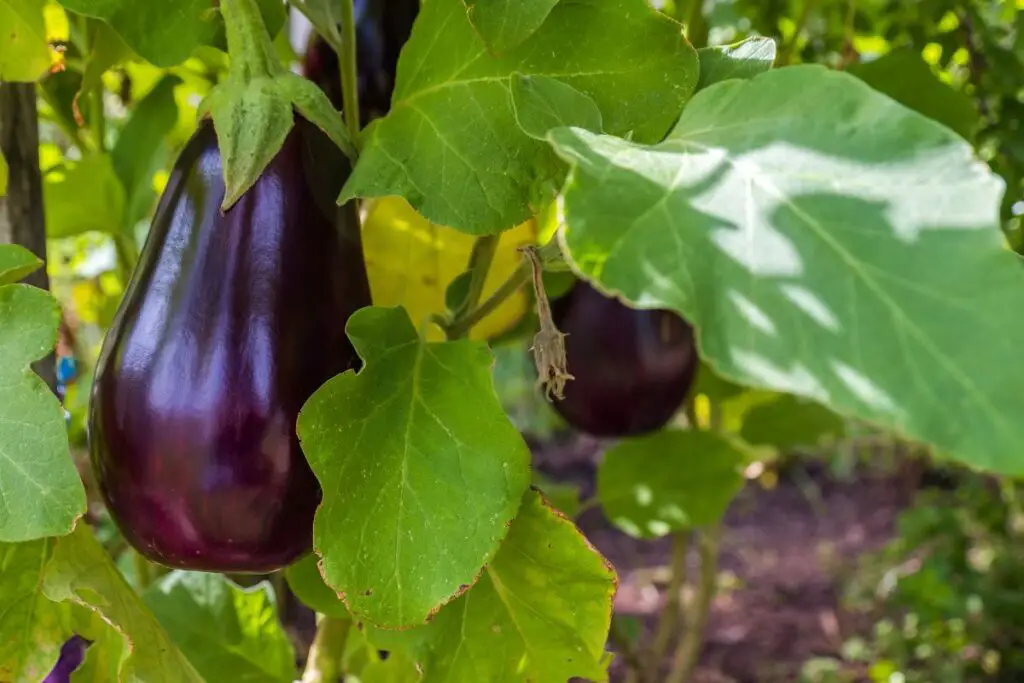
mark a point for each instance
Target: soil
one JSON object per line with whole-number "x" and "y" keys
{"x": 785, "y": 552}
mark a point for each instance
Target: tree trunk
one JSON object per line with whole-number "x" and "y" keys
{"x": 21, "y": 211}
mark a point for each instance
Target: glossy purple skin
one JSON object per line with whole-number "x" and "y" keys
{"x": 632, "y": 368}
{"x": 229, "y": 324}
{"x": 72, "y": 654}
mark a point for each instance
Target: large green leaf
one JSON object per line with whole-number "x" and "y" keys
{"x": 16, "y": 262}
{"x": 227, "y": 632}
{"x": 904, "y": 76}
{"x": 451, "y": 145}
{"x": 503, "y": 24}
{"x": 141, "y": 147}
{"x": 744, "y": 59}
{"x": 41, "y": 493}
{"x": 669, "y": 481}
{"x": 420, "y": 467}
{"x": 788, "y": 422}
{"x": 165, "y": 32}
{"x": 81, "y": 572}
{"x": 32, "y": 628}
{"x": 540, "y": 612}
{"x": 24, "y": 54}
{"x": 82, "y": 197}
{"x": 308, "y": 586}
{"x": 826, "y": 241}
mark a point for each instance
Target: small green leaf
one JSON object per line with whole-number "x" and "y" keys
{"x": 744, "y": 59}
{"x": 540, "y": 612}
{"x": 226, "y": 631}
{"x": 32, "y": 628}
{"x": 16, "y": 262}
{"x": 669, "y": 481}
{"x": 80, "y": 571}
{"x": 84, "y": 196}
{"x": 452, "y": 109}
{"x": 305, "y": 581}
{"x": 41, "y": 493}
{"x": 904, "y": 76}
{"x": 825, "y": 241}
{"x": 543, "y": 103}
{"x": 504, "y": 24}
{"x": 420, "y": 467}
{"x": 141, "y": 148}
{"x": 24, "y": 53}
{"x": 789, "y": 422}
{"x": 165, "y": 33}
{"x": 252, "y": 122}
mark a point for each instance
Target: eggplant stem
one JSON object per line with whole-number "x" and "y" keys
{"x": 461, "y": 326}
{"x": 252, "y": 52}
{"x": 688, "y": 649}
{"x": 325, "y": 663}
{"x": 673, "y": 604}
{"x": 349, "y": 73}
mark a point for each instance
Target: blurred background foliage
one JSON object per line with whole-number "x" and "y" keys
{"x": 945, "y": 598}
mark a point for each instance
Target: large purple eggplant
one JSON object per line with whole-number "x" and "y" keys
{"x": 230, "y": 322}
{"x": 632, "y": 368}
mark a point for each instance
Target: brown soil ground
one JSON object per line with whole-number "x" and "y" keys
{"x": 784, "y": 554}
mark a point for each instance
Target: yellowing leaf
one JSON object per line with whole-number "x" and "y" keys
{"x": 411, "y": 261}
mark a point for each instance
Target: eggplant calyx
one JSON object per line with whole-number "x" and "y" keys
{"x": 254, "y": 108}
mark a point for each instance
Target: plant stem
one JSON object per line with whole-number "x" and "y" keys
{"x": 143, "y": 571}
{"x": 349, "y": 73}
{"x": 461, "y": 326}
{"x": 671, "y": 611}
{"x": 697, "y": 25}
{"x": 325, "y": 663}
{"x": 479, "y": 266}
{"x": 688, "y": 650}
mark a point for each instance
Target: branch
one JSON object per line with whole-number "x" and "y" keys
{"x": 671, "y": 611}
{"x": 325, "y": 663}
{"x": 688, "y": 649}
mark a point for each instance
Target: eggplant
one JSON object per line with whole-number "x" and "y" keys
{"x": 382, "y": 28}
{"x": 632, "y": 368}
{"x": 72, "y": 654}
{"x": 229, "y": 323}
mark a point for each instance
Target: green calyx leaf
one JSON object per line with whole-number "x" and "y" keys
{"x": 420, "y": 467}
{"x": 825, "y": 241}
{"x": 253, "y": 109}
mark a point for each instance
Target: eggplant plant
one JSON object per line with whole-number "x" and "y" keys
{"x": 759, "y": 251}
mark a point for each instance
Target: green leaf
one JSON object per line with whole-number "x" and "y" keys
{"x": 103, "y": 658}
{"x": 669, "y": 481}
{"x": 563, "y": 496}
{"x": 107, "y": 50}
{"x": 451, "y": 145}
{"x": 32, "y": 628}
{"x": 744, "y": 59}
{"x": 395, "y": 669}
{"x": 226, "y": 631}
{"x": 41, "y": 493}
{"x": 141, "y": 147}
{"x": 166, "y": 33}
{"x": 789, "y": 422}
{"x": 540, "y": 612}
{"x": 541, "y": 103}
{"x": 826, "y": 242}
{"x": 305, "y": 581}
{"x": 80, "y": 571}
{"x": 24, "y": 52}
{"x": 904, "y": 76}
{"x": 16, "y": 262}
{"x": 84, "y": 196}
{"x": 420, "y": 467}
{"x": 504, "y": 24}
